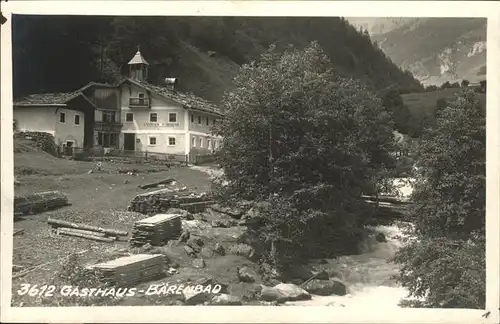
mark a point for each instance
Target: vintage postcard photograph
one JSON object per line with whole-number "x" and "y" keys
{"x": 258, "y": 155}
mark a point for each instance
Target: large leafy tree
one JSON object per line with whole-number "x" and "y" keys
{"x": 399, "y": 111}
{"x": 445, "y": 265}
{"x": 306, "y": 141}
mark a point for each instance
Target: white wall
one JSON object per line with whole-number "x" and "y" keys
{"x": 141, "y": 115}
{"x": 162, "y": 143}
{"x": 69, "y": 131}
{"x": 46, "y": 119}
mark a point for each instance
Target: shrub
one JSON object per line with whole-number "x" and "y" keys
{"x": 42, "y": 140}
{"x": 306, "y": 141}
{"x": 445, "y": 264}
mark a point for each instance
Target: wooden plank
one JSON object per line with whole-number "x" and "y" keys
{"x": 64, "y": 231}
{"x": 79, "y": 231}
{"x": 61, "y": 223}
{"x": 386, "y": 199}
{"x": 156, "y": 184}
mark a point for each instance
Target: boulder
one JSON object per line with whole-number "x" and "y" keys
{"x": 225, "y": 300}
{"x": 272, "y": 294}
{"x": 243, "y": 250}
{"x": 246, "y": 274}
{"x": 210, "y": 281}
{"x": 207, "y": 252}
{"x": 233, "y": 212}
{"x": 146, "y": 248}
{"x": 189, "y": 251}
{"x": 185, "y": 214}
{"x": 190, "y": 297}
{"x": 292, "y": 292}
{"x": 237, "y": 234}
{"x": 326, "y": 287}
{"x": 184, "y": 236}
{"x": 219, "y": 249}
{"x": 380, "y": 237}
{"x": 223, "y": 223}
{"x": 333, "y": 273}
{"x": 321, "y": 275}
{"x": 195, "y": 243}
{"x": 199, "y": 263}
{"x": 284, "y": 292}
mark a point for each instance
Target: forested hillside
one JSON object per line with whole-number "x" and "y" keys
{"x": 62, "y": 53}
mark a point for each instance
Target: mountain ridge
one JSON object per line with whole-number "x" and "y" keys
{"x": 435, "y": 50}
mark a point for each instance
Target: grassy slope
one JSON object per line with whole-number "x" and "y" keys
{"x": 424, "y": 103}
{"x": 208, "y": 77}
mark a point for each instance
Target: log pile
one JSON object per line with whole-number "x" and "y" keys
{"x": 85, "y": 231}
{"x": 156, "y": 184}
{"x": 39, "y": 202}
{"x": 131, "y": 270}
{"x": 156, "y": 230}
{"x": 151, "y": 203}
{"x": 160, "y": 201}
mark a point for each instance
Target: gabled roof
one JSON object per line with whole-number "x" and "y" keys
{"x": 49, "y": 99}
{"x": 187, "y": 100}
{"x": 138, "y": 59}
{"x": 46, "y": 99}
{"x": 97, "y": 84}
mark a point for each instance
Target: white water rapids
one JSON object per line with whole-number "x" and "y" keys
{"x": 367, "y": 275}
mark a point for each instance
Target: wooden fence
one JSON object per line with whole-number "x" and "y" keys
{"x": 137, "y": 156}
{"x": 198, "y": 158}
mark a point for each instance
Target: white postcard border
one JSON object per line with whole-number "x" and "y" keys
{"x": 248, "y": 314}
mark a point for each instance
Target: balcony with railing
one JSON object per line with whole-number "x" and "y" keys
{"x": 107, "y": 125}
{"x": 139, "y": 102}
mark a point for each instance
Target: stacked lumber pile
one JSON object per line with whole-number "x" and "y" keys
{"x": 151, "y": 203}
{"x": 160, "y": 201}
{"x": 156, "y": 230}
{"x": 85, "y": 231}
{"x": 39, "y": 202}
{"x": 131, "y": 270}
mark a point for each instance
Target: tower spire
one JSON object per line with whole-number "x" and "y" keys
{"x": 138, "y": 66}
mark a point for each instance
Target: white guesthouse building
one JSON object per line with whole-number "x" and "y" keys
{"x": 161, "y": 119}
{"x": 131, "y": 115}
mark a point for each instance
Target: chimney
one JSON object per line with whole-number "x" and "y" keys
{"x": 171, "y": 83}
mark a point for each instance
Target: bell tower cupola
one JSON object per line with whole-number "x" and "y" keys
{"x": 138, "y": 67}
